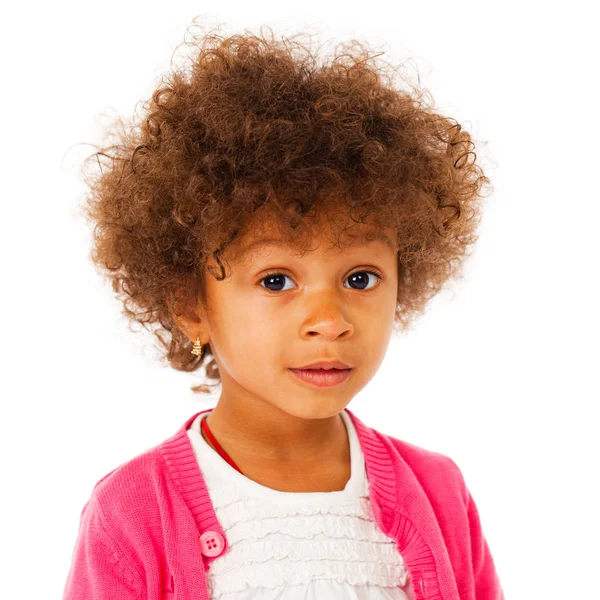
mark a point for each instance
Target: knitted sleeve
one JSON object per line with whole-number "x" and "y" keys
{"x": 99, "y": 570}
{"x": 487, "y": 583}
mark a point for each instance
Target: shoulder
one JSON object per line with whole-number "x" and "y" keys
{"x": 434, "y": 470}
{"x": 129, "y": 494}
{"x": 140, "y": 471}
{"x": 114, "y": 524}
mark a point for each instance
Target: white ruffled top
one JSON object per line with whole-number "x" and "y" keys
{"x": 298, "y": 545}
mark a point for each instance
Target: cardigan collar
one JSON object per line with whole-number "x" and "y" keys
{"x": 400, "y": 506}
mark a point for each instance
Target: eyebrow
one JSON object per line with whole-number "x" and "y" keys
{"x": 377, "y": 236}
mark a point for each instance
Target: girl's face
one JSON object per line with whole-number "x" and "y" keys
{"x": 278, "y": 310}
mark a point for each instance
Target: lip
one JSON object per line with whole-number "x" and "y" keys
{"x": 325, "y": 364}
{"x": 321, "y": 379}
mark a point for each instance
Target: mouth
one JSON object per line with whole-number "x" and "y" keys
{"x": 322, "y": 377}
{"x": 326, "y": 364}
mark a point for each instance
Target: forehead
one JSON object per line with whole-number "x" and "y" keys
{"x": 255, "y": 245}
{"x": 327, "y": 225}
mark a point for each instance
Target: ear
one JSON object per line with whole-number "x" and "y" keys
{"x": 186, "y": 315}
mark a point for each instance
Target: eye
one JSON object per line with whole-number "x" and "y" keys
{"x": 359, "y": 278}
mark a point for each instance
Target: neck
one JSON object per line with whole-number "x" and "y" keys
{"x": 267, "y": 434}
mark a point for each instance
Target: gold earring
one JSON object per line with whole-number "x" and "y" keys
{"x": 197, "y": 349}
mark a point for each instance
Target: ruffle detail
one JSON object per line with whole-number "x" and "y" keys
{"x": 241, "y": 577}
{"x": 307, "y": 528}
{"x": 248, "y": 509}
{"x": 224, "y": 496}
{"x": 331, "y": 550}
{"x": 272, "y": 545}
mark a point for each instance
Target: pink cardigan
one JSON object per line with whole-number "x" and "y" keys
{"x": 149, "y": 530}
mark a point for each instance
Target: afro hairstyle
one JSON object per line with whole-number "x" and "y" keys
{"x": 252, "y": 122}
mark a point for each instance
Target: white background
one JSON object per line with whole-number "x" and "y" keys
{"x": 501, "y": 372}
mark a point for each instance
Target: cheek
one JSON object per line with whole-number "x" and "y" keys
{"x": 388, "y": 305}
{"x": 247, "y": 330}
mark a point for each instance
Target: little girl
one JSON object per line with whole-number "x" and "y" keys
{"x": 279, "y": 219}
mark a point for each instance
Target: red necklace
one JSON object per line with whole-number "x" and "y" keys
{"x": 216, "y": 444}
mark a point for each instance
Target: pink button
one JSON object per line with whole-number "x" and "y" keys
{"x": 211, "y": 543}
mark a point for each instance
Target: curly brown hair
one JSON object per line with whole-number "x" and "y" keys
{"x": 259, "y": 123}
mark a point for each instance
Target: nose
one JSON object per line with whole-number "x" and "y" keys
{"x": 330, "y": 327}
